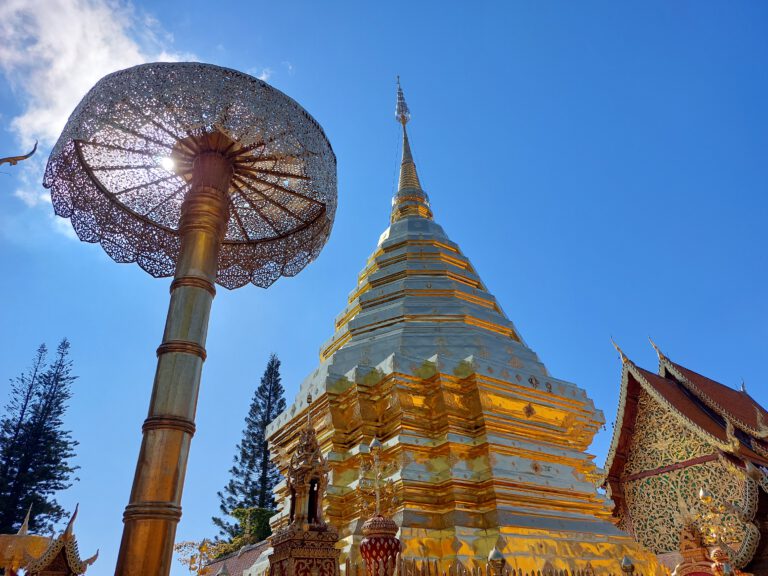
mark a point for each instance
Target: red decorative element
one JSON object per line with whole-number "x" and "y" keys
{"x": 380, "y": 546}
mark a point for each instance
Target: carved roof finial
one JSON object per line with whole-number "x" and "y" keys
{"x": 70, "y": 529}
{"x": 659, "y": 353}
{"x": 24, "y": 529}
{"x": 624, "y": 359}
{"x": 744, "y": 386}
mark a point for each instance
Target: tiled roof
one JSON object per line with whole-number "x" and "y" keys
{"x": 738, "y": 406}
{"x": 238, "y": 562}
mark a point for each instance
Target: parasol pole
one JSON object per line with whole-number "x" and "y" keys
{"x": 154, "y": 509}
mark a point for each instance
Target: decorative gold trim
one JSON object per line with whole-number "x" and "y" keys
{"x": 152, "y": 511}
{"x": 194, "y": 282}
{"x": 169, "y": 423}
{"x": 182, "y": 346}
{"x": 617, "y": 426}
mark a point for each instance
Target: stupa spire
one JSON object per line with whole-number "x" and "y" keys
{"x": 410, "y": 199}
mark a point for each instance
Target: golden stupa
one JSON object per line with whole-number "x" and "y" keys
{"x": 487, "y": 448}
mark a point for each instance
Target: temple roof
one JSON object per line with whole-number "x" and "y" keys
{"x": 712, "y": 411}
{"x": 239, "y": 561}
{"x": 736, "y": 405}
{"x": 66, "y": 545}
{"x": 35, "y": 553}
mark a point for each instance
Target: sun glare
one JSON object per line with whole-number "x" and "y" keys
{"x": 167, "y": 163}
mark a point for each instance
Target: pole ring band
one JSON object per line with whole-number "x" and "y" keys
{"x": 169, "y": 423}
{"x": 194, "y": 282}
{"x": 183, "y": 346}
{"x": 152, "y": 511}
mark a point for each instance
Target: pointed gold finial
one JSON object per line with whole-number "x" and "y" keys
{"x": 410, "y": 199}
{"x": 24, "y": 529}
{"x": 624, "y": 359}
{"x": 69, "y": 530}
{"x": 659, "y": 353}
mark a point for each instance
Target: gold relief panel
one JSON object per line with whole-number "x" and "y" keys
{"x": 658, "y": 505}
{"x": 659, "y": 440}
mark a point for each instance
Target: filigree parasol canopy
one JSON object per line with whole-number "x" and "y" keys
{"x": 122, "y": 167}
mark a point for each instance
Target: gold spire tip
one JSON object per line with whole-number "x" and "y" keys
{"x": 402, "y": 113}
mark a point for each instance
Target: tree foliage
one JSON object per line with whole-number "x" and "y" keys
{"x": 247, "y": 497}
{"x": 35, "y": 450}
{"x": 197, "y": 556}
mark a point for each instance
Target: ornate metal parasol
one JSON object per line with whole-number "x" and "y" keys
{"x": 123, "y": 167}
{"x": 209, "y": 175}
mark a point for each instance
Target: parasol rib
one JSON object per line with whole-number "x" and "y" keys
{"x": 145, "y": 184}
{"x": 273, "y": 173}
{"x": 287, "y": 190}
{"x": 166, "y": 199}
{"x": 268, "y": 199}
{"x": 240, "y": 225}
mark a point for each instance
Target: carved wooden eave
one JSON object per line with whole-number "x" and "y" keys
{"x": 65, "y": 546}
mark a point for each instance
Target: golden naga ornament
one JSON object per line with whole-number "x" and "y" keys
{"x": 13, "y": 160}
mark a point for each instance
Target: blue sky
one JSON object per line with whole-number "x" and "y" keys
{"x": 602, "y": 164}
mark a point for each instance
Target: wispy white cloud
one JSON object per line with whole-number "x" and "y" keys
{"x": 54, "y": 51}
{"x": 261, "y": 73}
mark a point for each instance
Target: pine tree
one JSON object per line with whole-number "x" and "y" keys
{"x": 253, "y": 475}
{"x": 34, "y": 449}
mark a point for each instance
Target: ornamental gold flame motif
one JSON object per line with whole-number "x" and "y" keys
{"x": 376, "y": 489}
{"x": 211, "y": 176}
{"x": 720, "y": 523}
